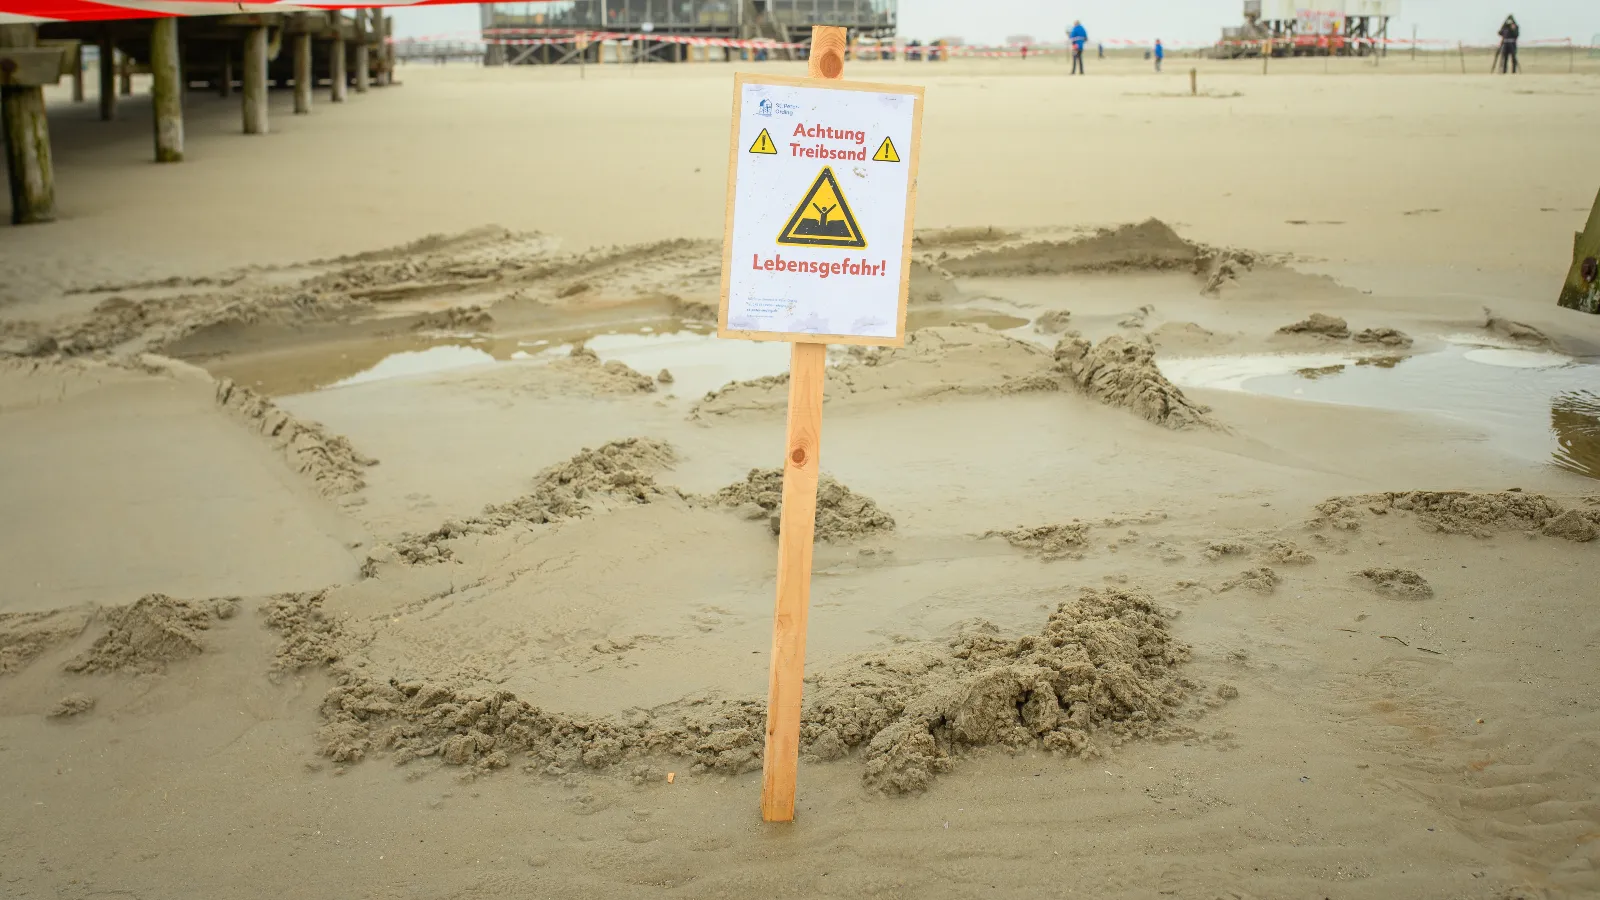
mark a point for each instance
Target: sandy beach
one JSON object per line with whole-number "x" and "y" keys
{"x": 384, "y": 519}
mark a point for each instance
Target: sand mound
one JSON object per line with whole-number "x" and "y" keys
{"x": 930, "y": 283}
{"x": 327, "y": 459}
{"x": 1519, "y": 332}
{"x": 952, "y": 237}
{"x": 842, "y": 514}
{"x": 1103, "y": 670}
{"x": 944, "y": 359}
{"x": 152, "y": 632}
{"x": 1402, "y": 584}
{"x": 24, "y": 636}
{"x": 584, "y": 367}
{"x": 1388, "y": 337}
{"x": 1462, "y": 512}
{"x": 1050, "y": 542}
{"x": 71, "y": 705}
{"x": 1324, "y": 325}
{"x": 1261, "y": 580}
{"x": 456, "y": 319}
{"x": 1149, "y": 245}
{"x": 617, "y": 473}
{"x": 1054, "y": 321}
{"x": 1119, "y": 372}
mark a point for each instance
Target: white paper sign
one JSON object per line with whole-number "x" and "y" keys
{"x": 822, "y": 182}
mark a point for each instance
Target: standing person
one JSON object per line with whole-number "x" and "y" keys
{"x": 1509, "y": 32}
{"x": 1079, "y": 36}
{"x": 1161, "y": 54}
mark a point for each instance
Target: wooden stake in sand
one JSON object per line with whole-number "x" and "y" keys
{"x": 1194, "y": 82}
{"x": 108, "y": 76}
{"x": 363, "y": 70}
{"x": 337, "y": 79}
{"x": 822, "y": 178}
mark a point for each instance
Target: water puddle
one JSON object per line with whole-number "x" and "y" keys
{"x": 419, "y": 362}
{"x": 1534, "y": 405}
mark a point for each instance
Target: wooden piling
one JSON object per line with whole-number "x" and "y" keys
{"x": 255, "y": 80}
{"x": 303, "y": 79}
{"x": 363, "y": 60}
{"x": 338, "y": 80}
{"x": 1194, "y": 82}
{"x": 125, "y": 69}
{"x": 108, "y": 76}
{"x": 27, "y": 140}
{"x": 388, "y": 53}
{"x": 166, "y": 90}
{"x": 77, "y": 73}
{"x": 383, "y": 24}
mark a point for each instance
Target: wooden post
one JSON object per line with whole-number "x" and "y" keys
{"x": 225, "y": 82}
{"x": 1266, "y": 55}
{"x": 1582, "y": 288}
{"x": 77, "y": 73}
{"x": 388, "y": 52}
{"x": 338, "y": 80}
{"x": 166, "y": 93}
{"x": 126, "y": 70}
{"x": 1463, "y": 48}
{"x": 108, "y": 76}
{"x": 27, "y": 140}
{"x": 1194, "y": 82}
{"x": 255, "y": 80}
{"x": 363, "y": 73}
{"x": 303, "y": 80}
{"x": 797, "y": 526}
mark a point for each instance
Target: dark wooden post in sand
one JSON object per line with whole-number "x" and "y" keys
{"x": 363, "y": 60}
{"x": 108, "y": 76}
{"x": 76, "y": 53}
{"x": 225, "y": 82}
{"x": 126, "y": 71}
{"x": 27, "y": 133}
{"x": 337, "y": 79}
{"x": 302, "y": 66}
{"x": 255, "y": 80}
{"x": 166, "y": 91}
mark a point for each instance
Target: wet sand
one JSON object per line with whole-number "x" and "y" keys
{"x": 1246, "y": 550}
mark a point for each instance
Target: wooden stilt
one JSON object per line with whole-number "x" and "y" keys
{"x": 27, "y": 140}
{"x": 225, "y": 82}
{"x": 380, "y": 30}
{"x": 363, "y": 61}
{"x": 337, "y": 79}
{"x": 125, "y": 69}
{"x": 77, "y": 74}
{"x": 302, "y": 67}
{"x": 796, "y": 528}
{"x": 388, "y": 53}
{"x": 108, "y": 77}
{"x": 255, "y": 80}
{"x": 166, "y": 92}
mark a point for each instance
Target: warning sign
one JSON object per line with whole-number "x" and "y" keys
{"x": 764, "y": 144}
{"x": 823, "y": 218}
{"x": 817, "y": 246}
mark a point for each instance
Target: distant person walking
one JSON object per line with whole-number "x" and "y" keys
{"x": 1079, "y": 36}
{"x": 1509, "y": 32}
{"x": 1161, "y": 53}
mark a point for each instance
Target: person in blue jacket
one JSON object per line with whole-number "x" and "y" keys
{"x": 1161, "y": 53}
{"x": 1079, "y": 36}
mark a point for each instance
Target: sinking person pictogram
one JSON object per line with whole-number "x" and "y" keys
{"x": 823, "y": 218}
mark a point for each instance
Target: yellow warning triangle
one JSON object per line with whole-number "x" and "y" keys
{"x": 823, "y": 218}
{"x": 886, "y": 152}
{"x": 764, "y": 144}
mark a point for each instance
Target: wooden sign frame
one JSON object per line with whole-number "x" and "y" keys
{"x": 911, "y": 154}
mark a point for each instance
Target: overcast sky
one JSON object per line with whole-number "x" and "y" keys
{"x": 991, "y": 21}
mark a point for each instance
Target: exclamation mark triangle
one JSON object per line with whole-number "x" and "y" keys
{"x": 886, "y": 152}
{"x": 764, "y": 144}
